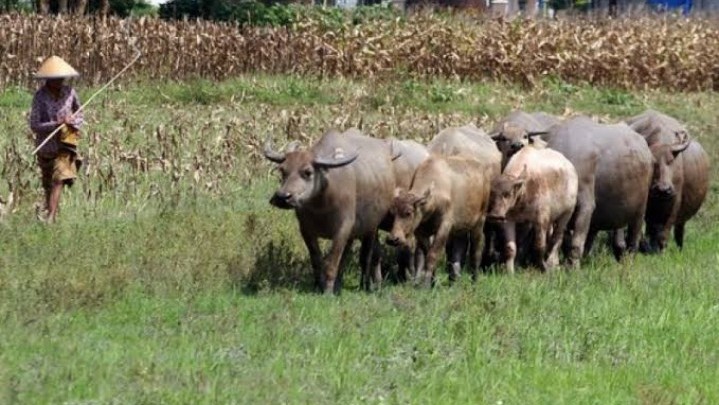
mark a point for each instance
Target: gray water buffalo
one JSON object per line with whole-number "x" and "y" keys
{"x": 537, "y": 187}
{"x": 340, "y": 189}
{"x": 614, "y": 165}
{"x": 447, "y": 200}
{"x": 408, "y": 155}
{"x": 512, "y": 132}
{"x": 680, "y": 179}
{"x": 472, "y": 142}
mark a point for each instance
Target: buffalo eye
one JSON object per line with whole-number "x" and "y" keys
{"x": 307, "y": 173}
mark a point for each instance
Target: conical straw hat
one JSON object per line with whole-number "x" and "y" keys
{"x": 55, "y": 68}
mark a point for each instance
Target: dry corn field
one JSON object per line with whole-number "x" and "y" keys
{"x": 641, "y": 53}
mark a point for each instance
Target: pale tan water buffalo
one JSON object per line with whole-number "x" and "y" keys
{"x": 446, "y": 201}
{"x": 472, "y": 142}
{"x": 408, "y": 155}
{"x": 680, "y": 179}
{"x": 614, "y": 165}
{"x": 537, "y": 187}
{"x": 340, "y": 189}
{"x": 512, "y": 133}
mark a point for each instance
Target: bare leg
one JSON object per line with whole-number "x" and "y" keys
{"x": 53, "y": 201}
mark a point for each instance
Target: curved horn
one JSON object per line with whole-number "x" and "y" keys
{"x": 496, "y": 135}
{"x": 293, "y": 146}
{"x": 331, "y": 162}
{"x": 682, "y": 135}
{"x": 272, "y": 154}
{"x": 681, "y": 147}
{"x": 536, "y": 133}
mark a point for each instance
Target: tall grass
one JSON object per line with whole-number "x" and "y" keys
{"x": 633, "y": 53}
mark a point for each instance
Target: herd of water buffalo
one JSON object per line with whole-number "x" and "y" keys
{"x": 536, "y": 185}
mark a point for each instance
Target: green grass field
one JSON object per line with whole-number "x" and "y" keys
{"x": 169, "y": 279}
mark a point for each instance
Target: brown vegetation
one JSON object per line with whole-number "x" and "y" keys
{"x": 675, "y": 54}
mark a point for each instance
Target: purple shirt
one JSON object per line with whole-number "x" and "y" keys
{"x": 46, "y": 109}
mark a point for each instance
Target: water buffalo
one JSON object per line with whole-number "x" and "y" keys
{"x": 680, "y": 180}
{"x": 539, "y": 187}
{"x": 511, "y": 132}
{"x": 472, "y": 142}
{"x": 340, "y": 189}
{"x": 408, "y": 155}
{"x": 446, "y": 201}
{"x": 614, "y": 165}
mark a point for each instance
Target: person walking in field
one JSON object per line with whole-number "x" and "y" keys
{"x": 54, "y": 105}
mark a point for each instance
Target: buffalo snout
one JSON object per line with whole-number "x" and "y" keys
{"x": 283, "y": 200}
{"x": 392, "y": 240}
{"x": 496, "y": 218}
{"x": 663, "y": 190}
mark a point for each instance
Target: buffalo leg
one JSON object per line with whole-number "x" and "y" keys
{"x": 679, "y": 234}
{"x": 619, "y": 243}
{"x": 555, "y": 240}
{"x": 491, "y": 241}
{"x": 332, "y": 260}
{"x": 376, "y": 265}
{"x": 634, "y": 234}
{"x": 540, "y": 244}
{"x": 475, "y": 254}
{"x": 369, "y": 260}
{"x": 589, "y": 241}
{"x": 346, "y": 254}
{"x": 420, "y": 255}
{"x": 510, "y": 245}
{"x": 456, "y": 248}
{"x": 405, "y": 263}
{"x": 440, "y": 240}
{"x": 582, "y": 219}
{"x": 661, "y": 236}
{"x": 313, "y": 247}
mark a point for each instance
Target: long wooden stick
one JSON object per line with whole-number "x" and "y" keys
{"x": 137, "y": 56}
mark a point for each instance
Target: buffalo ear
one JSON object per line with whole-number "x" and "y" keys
{"x": 524, "y": 173}
{"x": 521, "y": 180}
{"x": 425, "y": 196}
